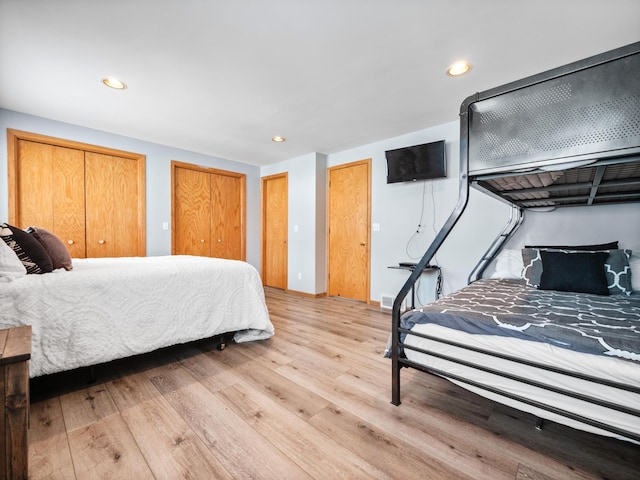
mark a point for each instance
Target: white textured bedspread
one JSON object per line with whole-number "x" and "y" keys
{"x": 109, "y": 308}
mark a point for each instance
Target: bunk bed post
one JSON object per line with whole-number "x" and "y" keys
{"x": 463, "y": 198}
{"x": 516, "y": 217}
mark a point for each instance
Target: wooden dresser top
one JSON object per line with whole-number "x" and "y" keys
{"x": 15, "y": 344}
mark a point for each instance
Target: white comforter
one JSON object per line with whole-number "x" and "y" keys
{"x": 109, "y": 308}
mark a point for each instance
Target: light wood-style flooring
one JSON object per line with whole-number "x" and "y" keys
{"x": 312, "y": 402}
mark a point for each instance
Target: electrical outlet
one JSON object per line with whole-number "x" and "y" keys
{"x": 299, "y": 275}
{"x": 165, "y": 225}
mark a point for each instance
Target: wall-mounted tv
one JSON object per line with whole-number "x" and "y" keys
{"x": 418, "y": 162}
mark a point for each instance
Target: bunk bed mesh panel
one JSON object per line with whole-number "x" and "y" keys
{"x": 586, "y": 114}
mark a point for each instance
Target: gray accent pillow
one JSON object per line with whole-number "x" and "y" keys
{"x": 616, "y": 267}
{"x": 56, "y": 249}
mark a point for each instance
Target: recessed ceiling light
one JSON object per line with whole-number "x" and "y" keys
{"x": 114, "y": 83}
{"x": 459, "y": 68}
{"x": 278, "y": 139}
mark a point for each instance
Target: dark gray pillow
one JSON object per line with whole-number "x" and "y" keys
{"x": 618, "y": 272}
{"x": 590, "y": 248}
{"x": 532, "y": 269}
{"x": 29, "y": 250}
{"x": 617, "y": 269}
{"x": 574, "y": 272}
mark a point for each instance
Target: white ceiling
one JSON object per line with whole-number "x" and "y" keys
{"x": 221, "y": 77}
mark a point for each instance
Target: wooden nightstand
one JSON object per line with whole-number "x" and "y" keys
{"x": 15, "y": 352}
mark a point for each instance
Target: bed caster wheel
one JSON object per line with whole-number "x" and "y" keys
{"x": 221, "y": 346}
{"x": 539, "y": 424}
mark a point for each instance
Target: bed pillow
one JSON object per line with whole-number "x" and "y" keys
{"x": 10, "y": 265}
{"x": 582, "y": 272}
{"x": 508, "y": 264}
{"x": 617, "y": 269}
{"x": 60, "y": 257}
{"x": 634, "y": 265}
{"x": 592, "y": 248}
{"x": 531, "y": 266}
{"x": 32, "y": 255}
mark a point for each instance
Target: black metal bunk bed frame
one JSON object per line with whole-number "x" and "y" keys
{"x": 598, "y": 134}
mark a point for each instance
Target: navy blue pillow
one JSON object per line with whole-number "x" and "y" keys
{"x": 574, "y": 272}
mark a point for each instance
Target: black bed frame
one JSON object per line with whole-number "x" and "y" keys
{"x": 584, "y": 118}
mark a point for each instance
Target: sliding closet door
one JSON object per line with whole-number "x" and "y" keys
{"x": 91, "y": 197}
{"x": 207, "y": 212}
{"x": 111, "y": 206}
{"x": 50, "y": 183}
{"x": 68, "y": 199}
{"x": 226, "y": 216}
{"x": 191, "y": 212}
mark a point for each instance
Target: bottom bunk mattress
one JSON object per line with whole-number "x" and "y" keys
{"x": 588, "y": 335}
{"x": 109, "y": 308}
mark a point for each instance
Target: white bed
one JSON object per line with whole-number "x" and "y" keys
{"x": 110, "y": 308}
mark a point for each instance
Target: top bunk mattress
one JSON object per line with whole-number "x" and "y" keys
{"x": 601, "y": 325}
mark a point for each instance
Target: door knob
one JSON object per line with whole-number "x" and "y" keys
{"x": 219, "y": 240}
{"x": 202, "y": 240}
{"x": 70, "y": 242}
{"x": 362, "y": 244}
{"x": 101, "y": 242}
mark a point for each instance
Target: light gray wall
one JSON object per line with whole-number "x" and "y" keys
{"x": 396, "y": 208}
{"x": 321, "y": 224}
{"x": 581, "y": 225}
{"x": 158, "y": 175}
{"x": 306, "y": 222}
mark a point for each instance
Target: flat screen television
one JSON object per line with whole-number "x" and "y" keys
{"x": 418, "y": 162}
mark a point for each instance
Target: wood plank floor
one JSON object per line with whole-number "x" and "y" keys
{"x": 312, "y": 402}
